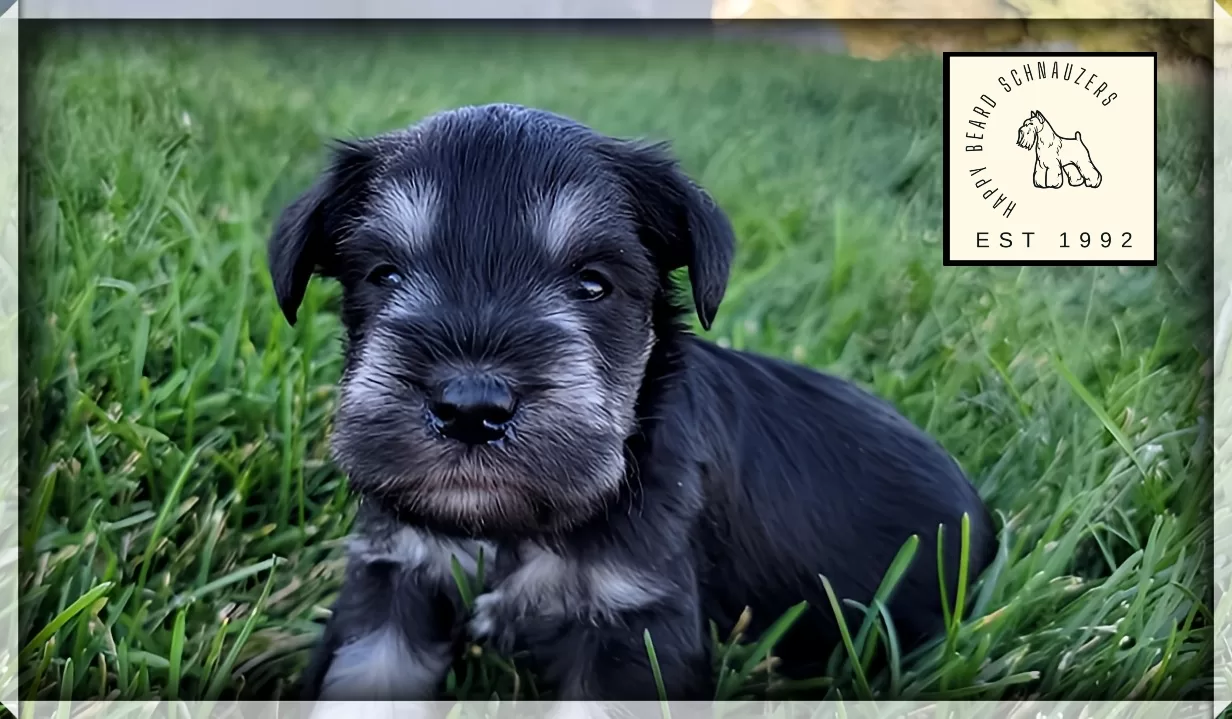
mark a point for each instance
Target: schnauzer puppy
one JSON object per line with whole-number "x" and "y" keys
{"x": 1057, "y": 158}
{"x": 521, "y": 390}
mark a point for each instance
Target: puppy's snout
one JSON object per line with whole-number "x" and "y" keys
{"x": 474, "y": 409}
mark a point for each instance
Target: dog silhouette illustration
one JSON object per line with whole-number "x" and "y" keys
{"x": 1057, "y": 158}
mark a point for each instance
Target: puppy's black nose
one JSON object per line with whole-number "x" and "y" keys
{"x": 474, "y": 409}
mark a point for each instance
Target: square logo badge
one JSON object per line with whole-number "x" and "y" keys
{"x": 1050, "y": 158}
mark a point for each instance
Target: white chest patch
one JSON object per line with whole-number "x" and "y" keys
{"x": 547, "y": 585}
{"x": 430, "y": 553}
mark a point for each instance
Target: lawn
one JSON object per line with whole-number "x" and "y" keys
{"x": 181, "y": 523}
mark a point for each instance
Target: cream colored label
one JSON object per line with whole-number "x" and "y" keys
{"x": 1051, "y": 158}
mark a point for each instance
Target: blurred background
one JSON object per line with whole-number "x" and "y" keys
{"x": 1186, "y": 48}
{"x": 181, "y": 522}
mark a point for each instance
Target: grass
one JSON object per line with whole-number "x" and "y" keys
{"x": 181, "y": 524}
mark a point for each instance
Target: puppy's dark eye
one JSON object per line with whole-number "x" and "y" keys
{"x": 592, "y": 286}
{"x": 385, "y": 276}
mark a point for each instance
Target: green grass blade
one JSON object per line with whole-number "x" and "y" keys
{"x": 177, "y": 654}
{"x": 898, "y": 567}
{"x": 1098, "y": 410}
{"x": 770, "y": 638}
{"x": 463, "y": 582}
{"x": 861, "y": 681}
{"x": 657, "y": 671}
{"x": 223, "y": 674}
{"x": 69, "y": 614}
{"x": 169, "y": 503}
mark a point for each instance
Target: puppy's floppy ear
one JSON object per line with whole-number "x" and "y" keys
{"x": 306, "y": 233}
{"x": 679, "y": 221}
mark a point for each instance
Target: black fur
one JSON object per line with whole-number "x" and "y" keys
{"x": 650, "y": 480}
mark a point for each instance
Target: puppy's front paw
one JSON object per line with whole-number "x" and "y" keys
{"x": 492, "y": 622}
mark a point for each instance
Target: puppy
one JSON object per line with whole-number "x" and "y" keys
{"x": 520, "y": 384}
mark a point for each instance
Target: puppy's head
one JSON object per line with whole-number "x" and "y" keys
{"x": 502, "y": 269}
{"x": 1029, "y": 130}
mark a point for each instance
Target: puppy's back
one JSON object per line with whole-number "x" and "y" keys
{"x": 812, "y": 476}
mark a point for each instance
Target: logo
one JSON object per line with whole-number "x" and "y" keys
{"x": 1049, "y": 158}
{"x": 1057, "y": 158}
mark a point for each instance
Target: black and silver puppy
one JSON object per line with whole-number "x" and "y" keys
{"x": 519, "y": 381}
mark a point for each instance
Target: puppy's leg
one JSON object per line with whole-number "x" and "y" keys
{"x": 1092, "y": 177}
{"x": 1073, "y": 175}
{"x": 389, "y": 638}
{"x": 583, "y": 623}
{"x": 1055, "y": 174}
{"x": 608, "y": 660}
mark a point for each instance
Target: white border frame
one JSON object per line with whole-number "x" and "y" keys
{"x": 1221, "y": 104}
{"x": 593, "y": 9}
{"x": 8, "y": 355}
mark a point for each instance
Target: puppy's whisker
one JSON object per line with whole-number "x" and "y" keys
{"x": 634, "y": 478}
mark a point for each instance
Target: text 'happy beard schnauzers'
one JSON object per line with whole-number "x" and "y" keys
{"x": 1016, "y": 77}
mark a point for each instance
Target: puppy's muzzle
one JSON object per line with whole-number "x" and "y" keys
{"x": 473, "y": 409}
